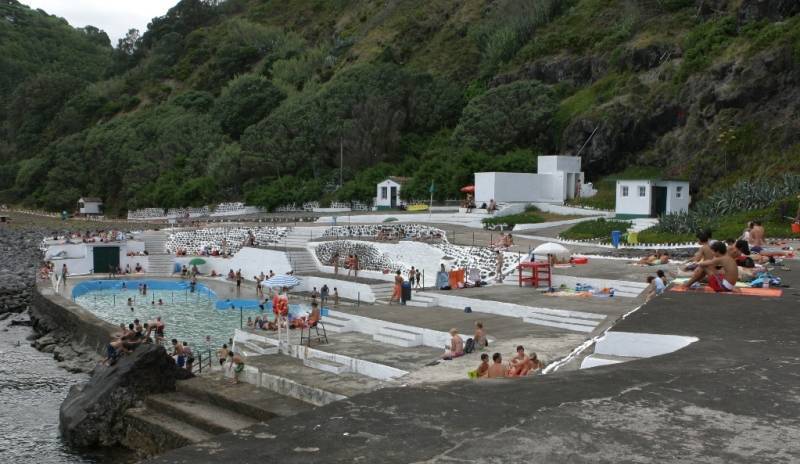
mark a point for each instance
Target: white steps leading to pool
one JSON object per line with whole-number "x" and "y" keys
{"x": 398, "y": 337}
{"x": 337, "y": 324}
{"x": 326, "y": 365}
{"x": 255, "y": 348}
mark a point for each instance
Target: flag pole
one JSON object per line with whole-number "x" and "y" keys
{"x": 430, "y": 205}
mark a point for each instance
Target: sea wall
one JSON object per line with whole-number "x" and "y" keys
{"x": 68, "y": 323}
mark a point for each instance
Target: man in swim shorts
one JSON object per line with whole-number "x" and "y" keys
{"x": 720, "y": 271}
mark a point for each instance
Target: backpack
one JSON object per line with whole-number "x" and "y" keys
{"x": 469, "y": 346}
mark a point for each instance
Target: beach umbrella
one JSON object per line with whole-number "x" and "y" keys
{"x": 551, "y": 248}
{"x": 278, "y": 281}
{"x": 197, "y": 262}
{"x": 468, "y": 189}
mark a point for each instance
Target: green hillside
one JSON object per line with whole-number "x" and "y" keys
{"x": 254, "y": 99}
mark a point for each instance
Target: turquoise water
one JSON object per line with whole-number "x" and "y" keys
{"x": 189, "y": 316}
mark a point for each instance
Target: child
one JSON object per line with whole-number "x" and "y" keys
{"x": 483, "y": 369}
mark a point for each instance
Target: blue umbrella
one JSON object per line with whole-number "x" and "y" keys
{"x": 285, "y": 280}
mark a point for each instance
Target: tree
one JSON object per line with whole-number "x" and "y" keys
{"x": 245, "y": 101}
{"x": 509, "y": 116}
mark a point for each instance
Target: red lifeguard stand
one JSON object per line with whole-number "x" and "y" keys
{"x": 540, "y": 273}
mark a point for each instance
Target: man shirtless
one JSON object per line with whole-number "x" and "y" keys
{"x": 159, "y": 328}
{"x": 703, "y": 253}
{"x": 757, "y": 237}
{"x": 721, "y": 271}
{"x": 497, "y": 369}
{"x": 520, "y": 364}
{"x": 177, "y": 351}
{"x": 238, "y": 366}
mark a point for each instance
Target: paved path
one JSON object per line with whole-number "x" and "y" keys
{"x": 730, "y": 397}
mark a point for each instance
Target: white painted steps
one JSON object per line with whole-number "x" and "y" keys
{"x": 255, "y": 348}
{"x": 301, "y": 260}
{"x": 398, "y": 337}
{"x": 337, "y": 324}
{"x": 326, "y": 365}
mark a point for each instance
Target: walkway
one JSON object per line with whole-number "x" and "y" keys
{"x": 730, "y": 397}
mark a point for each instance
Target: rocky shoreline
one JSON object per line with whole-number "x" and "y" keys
{"x": 20, "y": 259}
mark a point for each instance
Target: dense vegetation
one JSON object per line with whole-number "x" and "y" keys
{"x": 260, "y": 99}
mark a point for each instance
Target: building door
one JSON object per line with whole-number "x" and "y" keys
{"x": 104, "y": 258}
{"x": 658, "y": 205}
{"x": 393, "y": 197}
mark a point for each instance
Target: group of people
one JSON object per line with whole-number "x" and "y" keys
{"x": 504, "y": 242}
{"x": 133, "y": 335}
{"x": 351, "y": 263}
{"x": 114, "y": 271}
{"x": 469, "y": 204}
{"x": 93, "y": 236}
{"x": 414, "y": 280}
{"x": 235, "y": 362}
{"x": 520, "y": 365}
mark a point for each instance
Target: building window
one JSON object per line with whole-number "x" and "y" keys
{"x": 384, "y": 192}
{"x": 678, "y": 192}
{"x": 642, "y": 191}
{"x": 624, "y": 190}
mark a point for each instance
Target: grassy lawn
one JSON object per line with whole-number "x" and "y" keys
{"x": 600, "y": 228}
{"x": 532, "y": 215}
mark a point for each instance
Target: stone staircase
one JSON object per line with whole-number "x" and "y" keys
{"x": 301, "y": 260}
{"x": 337, "y": 324}
{"x": 159, "y": 261}
{"x": 299, "y": 236}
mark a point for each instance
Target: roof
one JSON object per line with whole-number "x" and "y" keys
{"x": 633, "y": 179}
{"x": 397, "y": 179}
{"x": 91, "y": 200}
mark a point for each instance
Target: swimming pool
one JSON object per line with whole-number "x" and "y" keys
{"x": 198, "y": 317}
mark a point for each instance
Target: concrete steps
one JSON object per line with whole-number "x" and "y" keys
{"x": 155, "y": 243}
{"x": 256, "y": 348}
{"x": 244, "y": 399}
{"x": 336, "y": 324}
{"x": 199, "y": 414}
{"x": 301, "y": 261}
{"x": 152, "y": 432}
{"x": 398, "y": 337}
{"x": 325, "y": 365}
{"x": 298, "y": 237}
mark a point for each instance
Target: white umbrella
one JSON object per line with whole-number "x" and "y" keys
{"x": 286, "y": 280}
{"x": 551, "y": 248}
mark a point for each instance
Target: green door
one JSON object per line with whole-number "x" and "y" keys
{"x": 105, "y": 258}
{"x": 659, "y": 205}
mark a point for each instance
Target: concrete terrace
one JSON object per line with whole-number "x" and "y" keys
{"x": 732, "y": 396}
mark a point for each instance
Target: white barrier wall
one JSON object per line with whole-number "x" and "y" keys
{"x": 252, "y": 262}
{"x": 350, "y": 290}
{"x": 640, "y": 345}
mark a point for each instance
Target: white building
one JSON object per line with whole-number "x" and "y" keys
{"x": 558, "y": 178}
{"x": 90, "y": 206}
{"x": 651, "y": 198}
{"x": 388, "y": 192}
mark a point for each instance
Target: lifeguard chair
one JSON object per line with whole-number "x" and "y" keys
{"x": 540, "y": 273}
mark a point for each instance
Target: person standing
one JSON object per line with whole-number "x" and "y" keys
{"x": 335, "y": 297}
{"x": 64, "y": 273}
{"x": 412, "y": 276}
{"x": 398, "y": 288}
{"x": 323, "y": 294}
{"x": 498, "y": 271}
{"x": 419, "y": 278}
{"x": 335, "y": 262}
{"x": 355, "y": 266}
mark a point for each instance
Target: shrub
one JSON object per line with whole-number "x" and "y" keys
{"x": 528, "y": 217}
{"x": 600, "y": 228}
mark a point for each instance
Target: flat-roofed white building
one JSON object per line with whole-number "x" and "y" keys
{"x": 651, "y": 197}
{"x": 558, "y": 178}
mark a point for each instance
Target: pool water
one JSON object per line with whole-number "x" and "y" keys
{"x": 188, "y": 316}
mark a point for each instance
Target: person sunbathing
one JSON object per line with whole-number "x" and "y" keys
{"x": 497, "y": 369}
{"x": 722, "y": 280}
{"x": 456, "y": 347}
{"x": 654, "y": 259}
{"x": 520, "y": 364}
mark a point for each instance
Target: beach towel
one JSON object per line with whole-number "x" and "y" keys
{"x": 764, "y": 292}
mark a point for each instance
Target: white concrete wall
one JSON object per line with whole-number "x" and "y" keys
{"x": 347, "y": 289}
{"x": 91, "y": 207}
{"x": 571, "y": 210}
{"x": 252, "y": 261}
{"x": 633, "y": 203}
{"x": 505, "y": 187}
{"x": 675, "y": 204}
{"x": 80, "y": 256}
{"x": 552, "y": 164}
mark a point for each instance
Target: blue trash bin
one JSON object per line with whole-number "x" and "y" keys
{"x": 616, "y": 236}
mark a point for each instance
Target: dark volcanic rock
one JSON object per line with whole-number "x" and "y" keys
{"x": 92, "y": 414}
{"x": 772, "y": 10}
